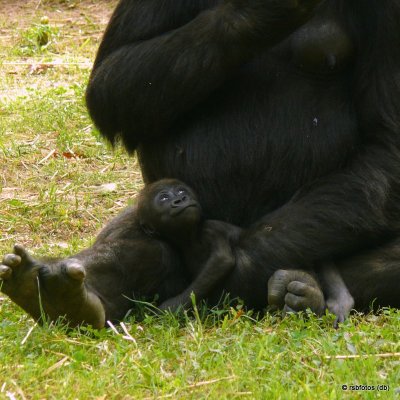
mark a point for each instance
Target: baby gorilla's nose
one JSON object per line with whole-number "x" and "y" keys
{"x": 179, "y": 201}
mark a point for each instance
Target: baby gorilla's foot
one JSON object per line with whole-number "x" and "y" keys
{"x": 295, "y": 290}
{"x": 55, "y": 288}
{"x": 19, "y": 273}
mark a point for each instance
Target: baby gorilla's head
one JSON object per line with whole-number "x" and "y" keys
{"x": 168, "y": 208}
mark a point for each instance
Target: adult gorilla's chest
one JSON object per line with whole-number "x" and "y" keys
{"x": 281, "y": 121}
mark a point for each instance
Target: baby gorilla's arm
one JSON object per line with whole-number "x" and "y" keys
{"x": 50, "y": 289}
{"x": 219, "y": 264}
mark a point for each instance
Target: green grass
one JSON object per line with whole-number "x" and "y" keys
{"x": 60, "y": 184}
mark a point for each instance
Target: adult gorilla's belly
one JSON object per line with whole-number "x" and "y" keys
{"x": 261, "y": 137}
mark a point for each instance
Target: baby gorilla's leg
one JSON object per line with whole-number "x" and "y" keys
{"x": 55, "y": 288}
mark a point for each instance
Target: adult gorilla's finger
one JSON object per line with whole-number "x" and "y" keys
{"x": 298, "y": 288}
{"x": 277, "y": 288}
{"x": 295, "y": 303}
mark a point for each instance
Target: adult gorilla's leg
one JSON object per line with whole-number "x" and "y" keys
{"x": 50, "y": 289}
{"x": 373, "y": 276}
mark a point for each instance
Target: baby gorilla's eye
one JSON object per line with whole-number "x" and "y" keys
{"x": 163, "y": 197}
{"x": 181, "y": 191}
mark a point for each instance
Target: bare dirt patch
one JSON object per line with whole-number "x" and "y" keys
{"x": 19, "y": 13}
{"x": 76, "y": 29}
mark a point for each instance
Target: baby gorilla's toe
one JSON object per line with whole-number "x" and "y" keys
{"x": 19, "y": 275}
{"x": 5, "y": 272}
{"x": 75, "y": 269}
{"x": 18, "y": 270}
{"x": 12, "y": 260}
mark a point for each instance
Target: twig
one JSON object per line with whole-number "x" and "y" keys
{"x": 165, "y": 396}
{"x": 111, "y": 325}
{"x": 127, "y": 336}
{"x": 48, "y": 64}
{"x": 210, "y": 382}
{"x": 57, "y": 365}
{"x": 381, "y": 355}
{"x": 11, "y": 396}
{"x": 43, "y": 160}
{"x": 19, "y": 390}
{"x": 28, "y": 334}
{"x": 194, "y": 386}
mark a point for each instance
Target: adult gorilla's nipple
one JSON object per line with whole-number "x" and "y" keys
{"x": 321, "y": 47}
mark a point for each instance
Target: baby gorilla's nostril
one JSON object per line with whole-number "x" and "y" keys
{"x": 177, "y": 202}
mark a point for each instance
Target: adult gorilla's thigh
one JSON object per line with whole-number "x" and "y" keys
{"x": 374, "y": 276}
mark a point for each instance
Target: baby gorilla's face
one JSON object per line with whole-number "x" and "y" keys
{"x": 171, "y": 208}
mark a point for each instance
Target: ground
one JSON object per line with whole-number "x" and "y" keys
{"x": 48, "y": 145}
{"x": 60, "y": 183}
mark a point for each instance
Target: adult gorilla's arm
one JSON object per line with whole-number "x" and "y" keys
{"x": 335, "y": 215}
{"x": 359, "y": 205}
{"x": 159, "y": 59}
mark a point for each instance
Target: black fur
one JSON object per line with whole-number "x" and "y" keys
{"x": 210, "y": 92}
{"x": 282, "y": 115}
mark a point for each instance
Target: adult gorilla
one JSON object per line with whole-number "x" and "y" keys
{"x": 282, "y": 115}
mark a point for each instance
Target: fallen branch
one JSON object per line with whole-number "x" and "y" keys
{"x": 381, "y": 355}
{"x": 48, "y": 64}
{"x": 28, "y": 334}
{"x": 195, "y": 385}
{"x": 57, "y": 365}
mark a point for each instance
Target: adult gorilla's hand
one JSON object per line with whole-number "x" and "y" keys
{"x": 295, "y": 290}
{"x": 294, "y": 12}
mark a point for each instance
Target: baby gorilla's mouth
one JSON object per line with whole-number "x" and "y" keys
{"x": 181, "y": 209}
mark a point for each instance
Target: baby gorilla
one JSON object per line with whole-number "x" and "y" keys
{"x": 139, "y": 254}
{"x": 168, "y": 209}
{"x": 211, "y": 253}
{"x": 98, "y": 283}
